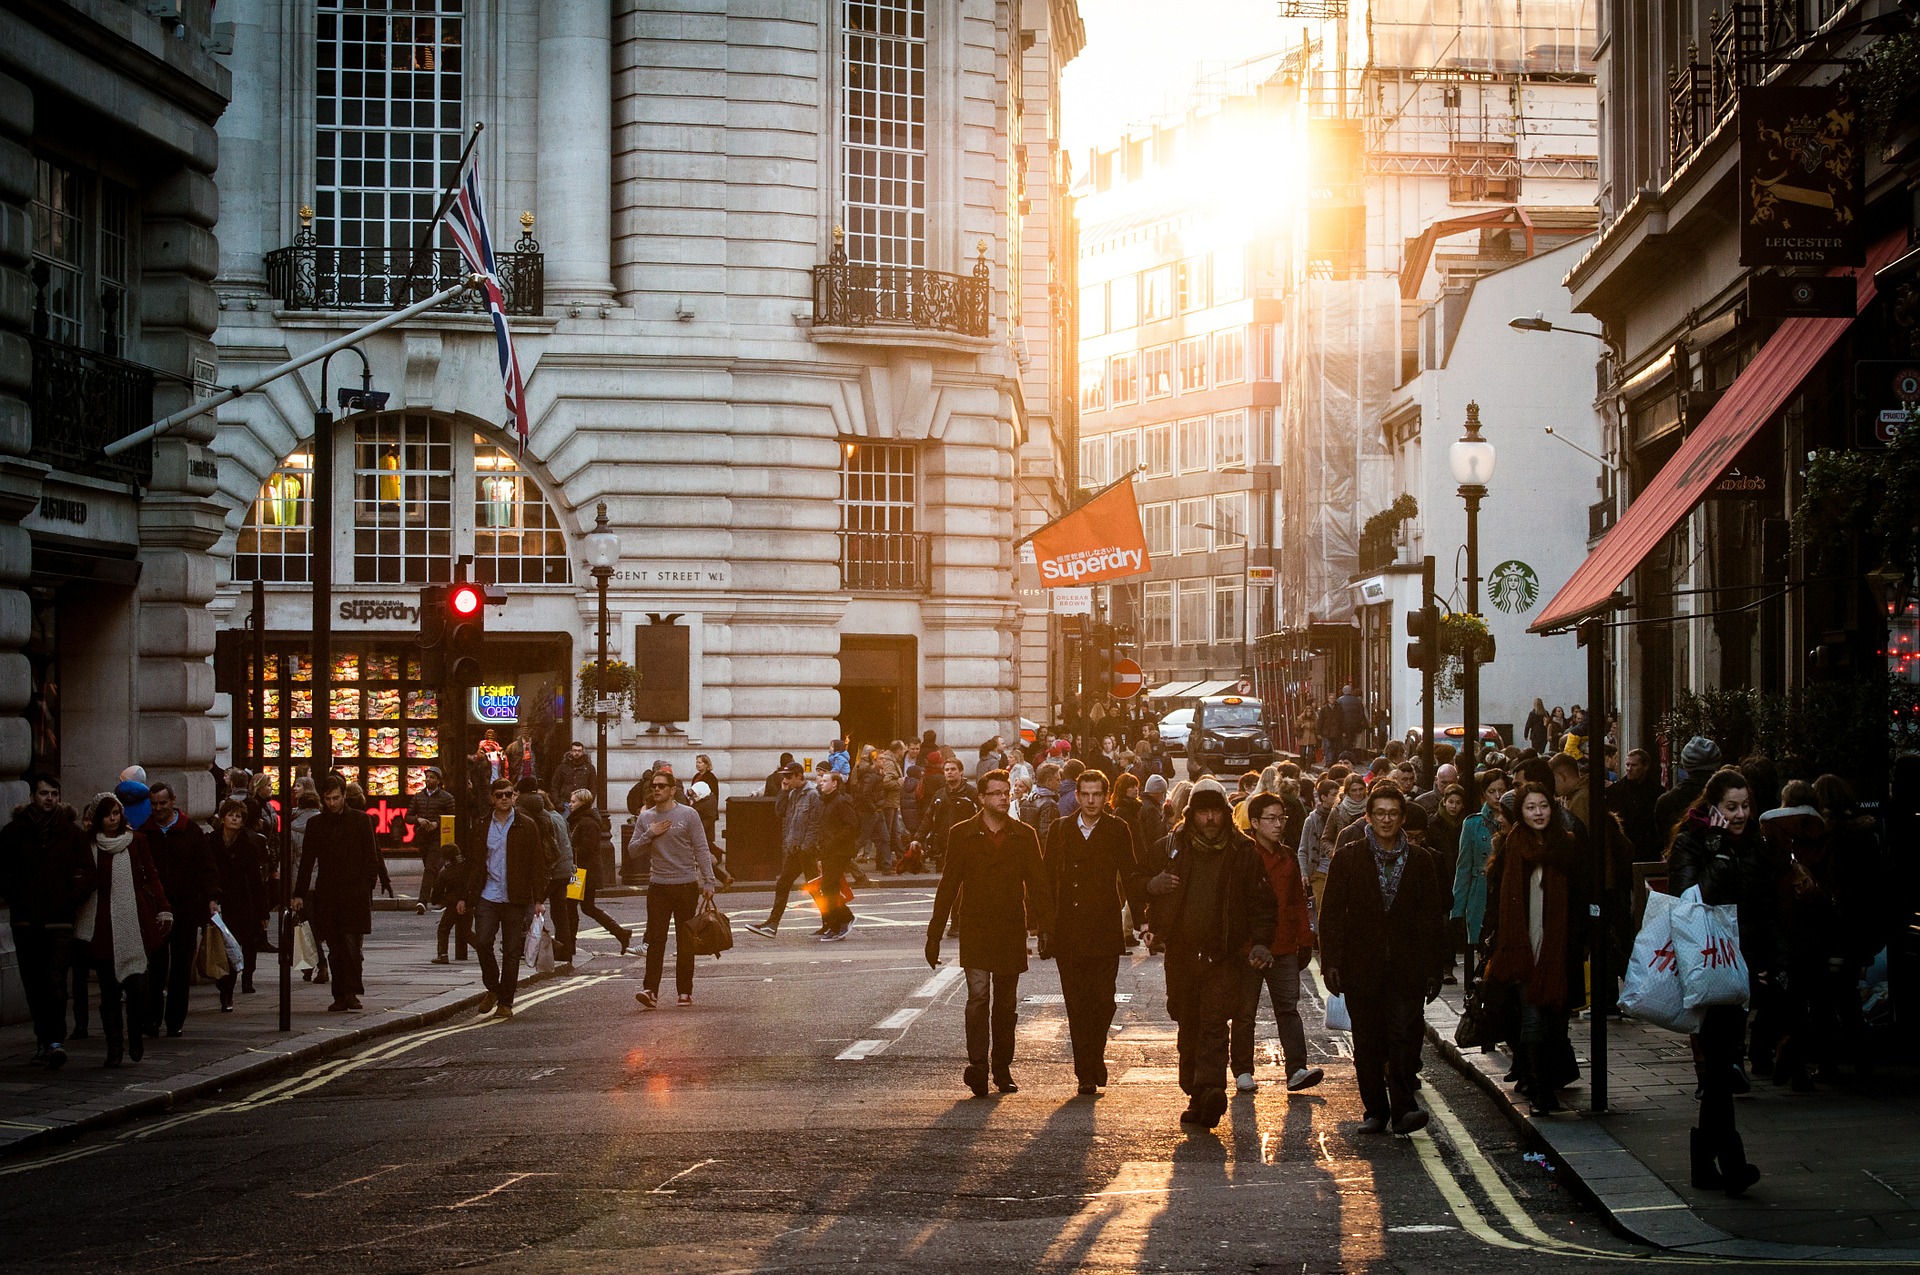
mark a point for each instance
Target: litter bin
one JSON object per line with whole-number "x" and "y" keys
{"x": 753, "y": 839}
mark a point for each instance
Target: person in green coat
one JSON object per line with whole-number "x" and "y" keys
{"x": 1476, "y": 846}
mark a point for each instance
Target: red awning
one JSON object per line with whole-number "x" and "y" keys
{"x": 1766, "y": 384}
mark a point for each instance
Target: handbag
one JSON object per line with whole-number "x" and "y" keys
{"x": 1653, "y": 992}
{"x": 577, "y": 887}
{"x": 1706, "y": 942}
{"x": 1338, "y": 1019}
{"x": 210, "y": 957}
{"x": 710, "y": 932}
{"x": 1491, "y": 1015}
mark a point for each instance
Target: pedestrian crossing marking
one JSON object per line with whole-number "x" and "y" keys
{"x": 942, "y": 979}
{"x": 898, "y": 1018}
{"x": 861, "y": 1049}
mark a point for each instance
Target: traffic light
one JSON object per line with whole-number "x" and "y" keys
{"x": 1096, "y": 663}
{"x": 433, "y": 633}
{"x": 465, "y": 618}
{"x": 1423, "y": 628}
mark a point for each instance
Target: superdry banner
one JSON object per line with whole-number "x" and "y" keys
{"x": 1101, "y": 540}
{"x": 1802, "y": 177}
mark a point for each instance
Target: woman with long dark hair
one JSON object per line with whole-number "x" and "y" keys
{"x": 126, "y": 918}
{"x": 1717, "y": 846}
{"x": 240, "y": 855}
{"x": 1536, "y": 942}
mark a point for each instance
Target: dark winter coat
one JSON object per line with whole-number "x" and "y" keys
{"x": 1634, "y": 801}
{"x": 943, "y": 810}
{"x": 1375, "y": 951}
{"x": 1088, "y": 879}
{"x": 592, "y": 840}
{"x": 185, "y": 861}
{"x": 1246, "y": 911}
{"x": 46, "y": 872}
{"x": 339, "y": 867}
{"x": 242, "y": 868}
{"x": 1744, "y": 871}
{"x": 839, "y": 827}
{"x": 527, "y": 875}
{"x": 569, "y": 776}
{"x": 424, "y": 810}
{"x": 996, "y": 888}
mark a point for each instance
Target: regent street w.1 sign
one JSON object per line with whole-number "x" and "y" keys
{"x": 1802, "y": 177}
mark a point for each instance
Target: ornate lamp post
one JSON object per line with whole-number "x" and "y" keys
{"x": 1471, "y": 459}
{"x": 603, "y": 551}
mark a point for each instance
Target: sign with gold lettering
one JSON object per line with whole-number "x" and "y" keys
{"x": 1802, "y": 177}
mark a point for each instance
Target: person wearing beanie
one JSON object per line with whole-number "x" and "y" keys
{"x": 1699, "y": 758}
{"x": 1213, "y": 908}
{"x": 134, "y": 797}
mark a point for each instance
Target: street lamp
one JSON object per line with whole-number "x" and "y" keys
{"x": 603, "y": 551}
{"x": 1241, "y": 645}
{"x": 1471, "y": 459}
{"x": 1539, "y": 323}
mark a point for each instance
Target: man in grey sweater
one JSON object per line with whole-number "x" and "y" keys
{"x": 682, "y": 876}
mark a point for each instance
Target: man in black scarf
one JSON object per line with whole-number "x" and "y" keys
{"x": 1213, "y": 908}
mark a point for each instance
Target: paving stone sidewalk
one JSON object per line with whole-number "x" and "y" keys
{"x": 1841, "y": 1165}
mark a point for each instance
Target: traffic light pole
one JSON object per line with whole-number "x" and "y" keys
{"x": 1426, "y": 674}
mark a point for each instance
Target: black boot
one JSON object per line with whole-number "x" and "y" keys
{"x": 1706, "y": 1174}
{"x": 1735, "y": 1173}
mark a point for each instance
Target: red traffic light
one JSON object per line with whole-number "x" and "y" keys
{"x": 466, "y": 599}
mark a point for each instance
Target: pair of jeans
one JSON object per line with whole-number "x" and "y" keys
{"x": 169, "y": 973}
{"x": 1086, "y": 985}
{"x": 1281, "y": 982}
{"x": 1722, "y": 1033}
{"x": 674, "y": 903}
{"x": 1386, "y": 1050}
{"x": 993, "y": 1007}
{"x": 44, "y": 953}
{"x": 881, "y": 833}
{"x": 1201, "y": 997}
{"x": 500, "y": 974}
{"x": 794, "y": 869}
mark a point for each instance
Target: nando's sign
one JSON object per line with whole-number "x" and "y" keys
{"x": 1802, "y": 177}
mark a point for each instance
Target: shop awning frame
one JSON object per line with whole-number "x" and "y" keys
{"x": 1761, "y": 390}
{"x": 1172, "y": 690}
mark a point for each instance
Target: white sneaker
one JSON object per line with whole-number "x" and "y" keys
{"x": 1305, "y": 1078}
{"x": 764, "y": 931}
{"x": 1245, "y": 1082}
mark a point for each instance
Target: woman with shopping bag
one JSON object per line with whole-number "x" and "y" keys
{"x": 1718, "y": 848}
{"x": 240, "y": 855}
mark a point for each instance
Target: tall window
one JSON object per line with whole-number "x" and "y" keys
{"x": 1093, "y": 385}
{"x": 1158, "y": 451}
{"x": 1228, "y": 613}
{"x": 1124, "y": 375}
{"x": 1192, "y": 359}
{"x": 1156, "y": 371}
{"x": 1157, "y": 521}
{"x": 1229, "y": 518}
{"x": 1190, "y": 283}
{"x": 273, "y": 543}
{"x": 879, "y": 517}
{"x": 1229, "y": 356}
{"x": 1193, "y": 445}
{"x": 1229, "y": 439}
{"x": 81, "y": 259}
{"x": 402, "y": 499}
{"x": 884, "y": 116}
{"x": 387, "y": 89}
{"x": 1156, "y": 294}
{"x": 1192, "y": 615}
{"x": 516, "y": 534}
{"x": 1193, "y": 537}
{"x": 1157, "y": 613}
{"x": 1093, "y": 461}
{"x": 1125, "y": 456}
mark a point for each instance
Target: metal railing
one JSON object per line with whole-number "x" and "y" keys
{"x": 883, "y": 561}
{"x": 1689, "y": 112}
{"x": 846, "y": 295}
{"x": 308, "y": 276}
{"x": 81, "y": 402}
{"x": 1701, "y": 94}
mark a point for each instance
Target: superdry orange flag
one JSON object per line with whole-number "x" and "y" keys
{"x": 1101, "y": 540}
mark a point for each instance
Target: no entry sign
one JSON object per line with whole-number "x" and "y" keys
{"x": 1127, "y": 679}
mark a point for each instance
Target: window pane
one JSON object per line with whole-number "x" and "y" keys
{"x": 1230, "y": 356}
{"x": 1158, "y": 614}
{"x": 1156, "y": 294}
{"x": 1156, "y": 371}
{"x": 402, "y": 499}
{"x": 1229, "y": 439}
{"x": 517, "y": 538}
{"x": 1124, "y": 378}
{"x": 272, "y": 545}
{"x": 1093, "y": 385}
{"x": 881, "y": 545}
{"x": 883, "y": 109}
{"x": 1158, "y": 452}
{"x": 1193, "y": 364}
{"x": 1193, "y": 444}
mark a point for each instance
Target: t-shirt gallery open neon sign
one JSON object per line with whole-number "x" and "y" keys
{"x": 497, "y": 703}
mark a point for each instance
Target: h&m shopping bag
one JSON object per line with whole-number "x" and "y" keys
{"x": 1653, "y": 991}
{"x": 1706, "y": 940}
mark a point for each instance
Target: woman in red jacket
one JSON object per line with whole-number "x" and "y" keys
{"x": 1292, "y": 946}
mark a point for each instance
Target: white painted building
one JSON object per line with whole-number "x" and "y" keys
{"x": 803, "y": 308}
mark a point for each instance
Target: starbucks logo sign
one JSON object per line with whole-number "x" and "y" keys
{"x": 1513, "y": 586}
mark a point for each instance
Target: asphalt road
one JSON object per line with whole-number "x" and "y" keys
{"x": 806, "y": 1113}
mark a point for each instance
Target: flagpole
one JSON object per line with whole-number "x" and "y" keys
{"x": 446, "y": 201}
{"x": 1124, "y": 478}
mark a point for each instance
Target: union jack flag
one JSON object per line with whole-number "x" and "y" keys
{"x": 467, "y": 222}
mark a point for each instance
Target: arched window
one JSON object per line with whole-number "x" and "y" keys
{"x": 417, "y": 490}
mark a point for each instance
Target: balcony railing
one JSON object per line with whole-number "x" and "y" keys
{"x": 854, "y": 296}
{"x": 308, "y": 276}
{"x": 81, "y": 402}
{"x": 1689, "y": 112}
{"x": 1701, "y": 94}
{"x": 883, "y": 561}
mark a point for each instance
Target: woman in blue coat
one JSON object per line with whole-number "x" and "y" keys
{"x": 1476, "y": 846}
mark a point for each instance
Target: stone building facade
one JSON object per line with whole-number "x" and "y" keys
{"x": 784, "y": 294}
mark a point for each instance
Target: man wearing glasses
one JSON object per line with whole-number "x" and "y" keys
{"x": 502, "y": 886}
{"x": 682, "y": 875}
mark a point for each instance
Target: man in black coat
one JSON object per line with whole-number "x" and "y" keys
{"x": 1634, "y": 797}
{"x": 1091, "y": 867}
{"x": 955, "y": 802}
{"x": 191, "y": 880}
{"x": 507, "y": 879}
{"x": 1699, "y": 758}
{"x": 424, "y": 812}
{"x": 341, "y": 864}
{"x": 574, "y": 772}
{"x": 1383, "y": 946}
{"x": 993, "y": 872}
{"x": 46, "y": 873}
{"x": 1216, "y": 912}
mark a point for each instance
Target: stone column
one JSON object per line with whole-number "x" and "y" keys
{"x": 19, "y": 477}
{"x": 576, "y": 148}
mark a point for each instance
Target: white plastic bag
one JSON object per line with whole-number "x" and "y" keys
{"x": 1338, "y": 1020}
{"x": 1706, "y": 941}
{"x": 539, "y": 949}
{"x": 1653, "y": 993}
{"x": 236, "y": 959}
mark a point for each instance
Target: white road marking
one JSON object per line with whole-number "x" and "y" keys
{"x": 662, "y": 1188}
{"x": 511, "y": 1180}
{"x": 943, "y": 978}
{"x": 315, "y": 1195}
{"x": 861, "y": 1049}
{"x": 898, "y": 1018}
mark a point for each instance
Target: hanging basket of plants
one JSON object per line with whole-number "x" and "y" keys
{"x": 1461, "y": 635}
{"x": 622, "y": 681}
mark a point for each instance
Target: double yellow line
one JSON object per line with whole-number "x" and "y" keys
{"x": 314, "y": 1077}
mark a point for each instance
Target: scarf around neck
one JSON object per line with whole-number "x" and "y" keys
{"x": 1543, "y": 981}
{"x": 1391, "y": 863}
{"x": 129, "y": 945}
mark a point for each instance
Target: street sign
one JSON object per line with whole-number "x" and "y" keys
{"x": 607, "y": 706}
{"x": 1127, "y": 679}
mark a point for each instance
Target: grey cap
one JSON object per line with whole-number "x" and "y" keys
{"x": 1700, "y": 753}
{"x": 1156, "y": 785}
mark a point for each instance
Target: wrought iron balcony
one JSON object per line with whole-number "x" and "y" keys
{"x": 1701, "y": 94}
{"x": 308, "y": 276}
{"x": 846, "y": 295}
{"x": 883, "y": 561}
{"x": 81, "y": 402}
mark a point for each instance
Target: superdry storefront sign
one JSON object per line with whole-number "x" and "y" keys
{"x": 1101, "y": 540}
{"x": 369, "y": 610}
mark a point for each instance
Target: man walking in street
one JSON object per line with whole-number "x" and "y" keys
{"x": 798, "y": 813}
{"x": 1634, "y": 797}
{"x": 955, "y": 802}
{"x": 1291, "y": 946}
{"x": 1091, "y": 868}
{"x": 681, "y": 876}
{"x": 1383, "y": 946}
{"x": 506, "y": 877}
{"x": 424, "y": 812}
{"x": 1698, "y": 760}
{"x": 46, "y": 873}
{"x": 341, "y": 864}
{"x": 184, "y": 857}
{"x": 1215, "y": 912}
{"x": 993, "y": 872}
{"x": 574, "y": 772}
{"x": 839, "y": 842}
